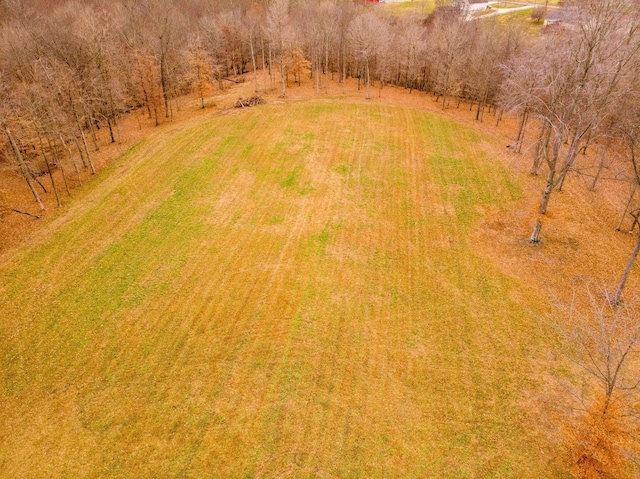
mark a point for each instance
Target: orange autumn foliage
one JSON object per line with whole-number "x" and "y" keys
{"x": 597, "y": 442}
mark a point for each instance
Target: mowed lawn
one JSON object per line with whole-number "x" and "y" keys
{"x": 286, "y": 291}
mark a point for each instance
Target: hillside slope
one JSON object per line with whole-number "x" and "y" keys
{"x": 310, "y": 289}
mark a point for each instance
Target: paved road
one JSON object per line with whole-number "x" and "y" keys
{"x": 504, "y": 11}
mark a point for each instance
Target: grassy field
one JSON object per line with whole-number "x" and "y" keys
{"x": 522, "y": 17}
{"x": 263, "y": 295}
{"x": 417, "y": 6}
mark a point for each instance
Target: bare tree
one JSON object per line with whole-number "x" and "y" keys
{"x": 493, "y": 45}
{"x": 329, "y": 17}
{"x": 309, "y": 23}
{"x": 570, "y": 81}
{"x": 253, "y": 20}
{"x": 451, "y": 37}
{"x": 411, "y": 48}
{"x": 39, "y": 109}
{"x": 602, "y": 338}
{"x": 26, "y": 174}
{"x": 369, "y": 36}
{"x": 279, "y": 36}
{"x": 166, "y": 29}
{"x": 346, "y": 13}
{"x": 146, "y": 71}
{"x": 630, "y": 130}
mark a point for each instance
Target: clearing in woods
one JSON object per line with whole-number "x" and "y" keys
{"x": 291, "y": 290}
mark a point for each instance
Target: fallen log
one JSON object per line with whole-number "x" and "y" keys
{"x": 26, "y": 213}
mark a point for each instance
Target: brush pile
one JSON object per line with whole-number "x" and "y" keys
{"x": 247, "y": 102}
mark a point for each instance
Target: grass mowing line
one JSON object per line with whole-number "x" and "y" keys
{"x": 358, "y": 335}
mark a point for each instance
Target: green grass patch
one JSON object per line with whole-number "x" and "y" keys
{"x": 522, "y": 17}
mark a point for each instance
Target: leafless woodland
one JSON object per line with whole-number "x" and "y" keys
{"x": 68, "y": 69}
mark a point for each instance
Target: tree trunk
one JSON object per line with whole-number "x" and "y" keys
{"x": 445, "y": 87}
{"x": 319, "y": 69}
{"x": 163, "y": 83}
{"x": 541, "y": 148}
{"x": 480, "y": 107}
{"x": 84, "y": 142}
{"x": 264, "y": 63}
{"x": 444, "y": 95}
{"x": 521, "y": 130}
{"x": 200, "y": 89}
{"x": 282, "y": 75}
{"x": 114, "y": 116}
{"x": 603, "y": 159}
{"x": 551, "y": 163}
{"x": 546, "y": 194}
{"x": 586, "y": 143}
{"x": 86, "y": 150}
{"x": 23, "y": 168}
{"x": 113, "y": 140}
{"x": 626, "y": 208}
{"x": 315, "y": 70}
{"x": 35, "y": 178}
{"x": 535, "y": 236}
{"x": 84, "y": 163}
{"x": 146, "y": 101}
{"x": 93, "y": 133}
{"x": 571, "y": 156}
{"x": 48, "y": 164}
{"x": 343, "y": 71}
{"x": 26, "y": 213}
{"x": 64, "y": 179}
{"x": 627, "y": 270}
{"x": 199, "y": 84}
{"x": 574, "y": 148}
{"x": 326, "y": 67}
{"x": 368, "y": 81}
{"x": 270, "y": 63}
{"x": 253, "y": 62}
{"x": 58, "y": 160}
{"x": 155, "y": 112}
{"x": 73, "y": 160}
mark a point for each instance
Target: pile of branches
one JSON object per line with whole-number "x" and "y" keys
{"x": 246, "y": 102}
